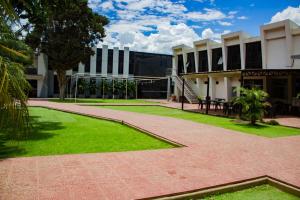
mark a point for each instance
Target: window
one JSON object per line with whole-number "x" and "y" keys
{"x": 121, "y": 61}
{"x": 180, "y": 66}
{"x": 203, "y": 62}
{"x": 99, "y": 61}
{"x": 253, "y": 55}
{"x": 254, "y": 83}
{"x": 233, "y": 57}
{"x": 110, "y": 61}
{"x": 217, "y": 60}
{"x": 87, "y": 66}
{"x": 278, "y": 88}
{"x": 190, "y": 62}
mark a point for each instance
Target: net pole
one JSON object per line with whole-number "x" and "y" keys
{"x": 76, "y": 87}
{"x": 126, "y": 89}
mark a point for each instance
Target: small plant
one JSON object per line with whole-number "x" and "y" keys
{"x": 253, "y": 102}
{"x": 273, "y": 122}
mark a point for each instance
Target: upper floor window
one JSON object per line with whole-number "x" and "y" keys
{"x": 217, "y": 59}
{"x": 233, "y": 57}
{"x": 203, "y": 61}
{"x": 190, "y": 65}
{"x": 253, "y": 55}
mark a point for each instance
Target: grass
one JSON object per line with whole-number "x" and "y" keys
{"x": 56, "y": 132}
{"x": 263, "y": 192}
{"x": 111, "y": 101}
{"x": 259, "y": 129}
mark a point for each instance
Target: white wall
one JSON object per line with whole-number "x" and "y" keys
{"x": 296, "y": 50}
{"x": 276, "y": 54}
{"x": 220, "y": 91}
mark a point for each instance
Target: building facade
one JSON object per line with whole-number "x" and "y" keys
{"x": 270, "y": 62}
{"x": 105, "y": 62}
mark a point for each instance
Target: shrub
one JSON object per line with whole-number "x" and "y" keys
{"x": 273, "y": 122}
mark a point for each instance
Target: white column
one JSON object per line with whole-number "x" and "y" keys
{"x": 126, "y": 62}
{"x": 42, "y": 69}
{"x": 209, "y": 57}
{"x": 80, "y": 67}
{"x": 227, "y": 87}
{"x": 289, "y": 42}
{"x": 93, "y": 61}
{"x": 224, "y": 55}
{"x": 212, "y": 87}
{"x": 116, "y": 61}
{"x": 104, "y": 59}
{"x": 243, "y": 54}
{"x": 263, "y": 48}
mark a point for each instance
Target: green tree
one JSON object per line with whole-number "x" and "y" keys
{"x": 14, "y": 56}
{"x": 253, "y": 102}
{"x": 65, "y": 31}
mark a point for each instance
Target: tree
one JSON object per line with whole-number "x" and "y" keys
{"x": 253, "y": 102}
{"x": 14, "y": 56}
{"x": 65, "y": 31}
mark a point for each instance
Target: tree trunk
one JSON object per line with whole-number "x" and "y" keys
{"x": 253, "y": 121}
{"x": 62, "y": 81}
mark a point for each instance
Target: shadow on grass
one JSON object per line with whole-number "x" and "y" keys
{"x": 40, "y": 130}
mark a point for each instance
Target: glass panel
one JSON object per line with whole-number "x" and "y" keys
{"x": 180, "y": 66}
{"x": 110, "y": 61}
{"x": 216, "y": 58}
{"x": 278, "y": 88}
{"x": 99, "y": 60}
{"x": 190, "y": 63}
{"x": 121, "y": 61}
{"x": 203, "y": 62}
{"x": 233, "y": 57}
{"x": 253, "y": 55}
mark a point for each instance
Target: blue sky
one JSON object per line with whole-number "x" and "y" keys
{"x": 157, "y": 25}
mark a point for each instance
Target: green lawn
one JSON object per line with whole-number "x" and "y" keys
{"x": 262, "y": 192}
{"x": 260, "y": 129}
{"x": 111, "y": 101}
{"x": 56, "y": 132}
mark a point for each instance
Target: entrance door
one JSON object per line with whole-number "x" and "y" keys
{"x": 33, "y": 91}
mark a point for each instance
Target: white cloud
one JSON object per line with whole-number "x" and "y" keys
{"x": 208, "y": 15}
{"x": 208, "y": 33}
{"x": 167, "y": 35}
{"x": 292, "y": 13}
{"x": 222, "y": 23}
{"x": 242, "y": 17}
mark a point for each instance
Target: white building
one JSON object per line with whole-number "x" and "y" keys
{"x": 217, "y": 69}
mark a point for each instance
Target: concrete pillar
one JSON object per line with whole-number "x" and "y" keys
{"x": 184, "y": 55}
{"x": 104, "y": 59}
{"x": 209, "y": 57}
{"x": 81, "y": 68}
{"x": 196, "y": 57}
{"x": 224, "y": 55}
{"x": 289, "y": 42}
{"x": 243, "y": 54}
{"x": 93, "y": 61}
{"x": 174, "y": 64}
{"x": 126, "y": 62}
{"x": 263, "y": 48}
{"x": 42, "y": 69}
{"x": 227, "y": 87}
{"x": 212, "y": 87}
{"x": 116, "y": 61}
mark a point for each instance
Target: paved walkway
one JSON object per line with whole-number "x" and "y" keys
{"x": 212, "y": 156}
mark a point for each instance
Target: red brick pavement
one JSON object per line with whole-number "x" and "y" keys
{"x": 212, "y": 156}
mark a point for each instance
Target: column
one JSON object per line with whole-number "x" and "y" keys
{"x": 227, "y": 86}
{"x": 212, "y": 86}
{"x": 116, "y": 61}
{"x": 93, "y": 61}
{"x": 42, "y": 69}
{"x": 104, "y": 60}
{"x": 243, "y": 53}
{"x": 209, "y": 57}
{"x": 184, "y": 55}
{"x": 224, "y": 55}
{"x": 126, "y": 62}
{"x": 81, "y": 68}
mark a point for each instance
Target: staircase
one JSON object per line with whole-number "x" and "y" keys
{"x": 188, "y": 91}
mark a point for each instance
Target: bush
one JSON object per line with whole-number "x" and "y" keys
{"x": 273, "y": 122}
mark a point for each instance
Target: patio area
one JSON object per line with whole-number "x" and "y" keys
{"x": 210, "y": 156}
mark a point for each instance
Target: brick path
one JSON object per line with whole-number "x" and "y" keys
{"x": 212, "y": 156}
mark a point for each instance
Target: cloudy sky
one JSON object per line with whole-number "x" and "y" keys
{"x": 157, "y": 25}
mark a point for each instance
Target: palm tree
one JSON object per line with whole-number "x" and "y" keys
{"x": 253, "y": 102}
{"x": 14, "y": 56}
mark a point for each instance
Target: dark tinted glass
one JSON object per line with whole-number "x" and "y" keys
{"x": 216, "y": 55}
{"x": 203, "y": 62}
{"x": 110, "y": 61}
{"x": 190, "y": 62}
{"x": 121, "y": 61}
{"x": 233, "y": 57}
{"x": 253, "y": 55}
{"x": 180, "y": 67}
{"x": 99, "y": 61}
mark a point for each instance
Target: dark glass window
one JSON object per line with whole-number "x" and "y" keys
{"x": 131, "y": 62}
{"x": 278, "y": 88}
{"x": 253, "y": 55}
{"x": 233, "y": 57}
{"x": 254, "y": 83}
{"x": 190, "y": 62}
{"x": 56, "y": 87}
{"x": 203, "y": 61}
{"x": 99, "y": 61}
{"x": 180, "y": 67}
{"x": 121, "y": 61}
{"x": 110, "y": 61}
{"x": 87, "y": 66}
{"x": 217, "y": 59}
{"x": 297, "y": 86}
